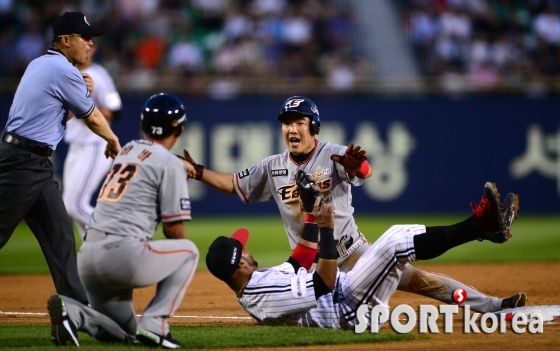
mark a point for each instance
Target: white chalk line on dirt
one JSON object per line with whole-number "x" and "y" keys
{"x": 39, "y": 314}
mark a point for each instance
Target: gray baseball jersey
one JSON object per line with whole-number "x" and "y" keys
{"x": 274, "y": 178}
{"x": 146, "y": 185}
{"x": 281, "y": 296}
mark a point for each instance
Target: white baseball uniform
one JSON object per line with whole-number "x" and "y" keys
{"x": 273, "y": 178}
{"x": 85, "y": 165}
{"x": 146, "y": 185}
{"x": 281, "y": 296}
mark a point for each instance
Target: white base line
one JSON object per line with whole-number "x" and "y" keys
{"x": 36, "y": 314}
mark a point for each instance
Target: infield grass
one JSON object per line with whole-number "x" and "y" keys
{"x": 535, "y": 238}
{"x": 37, "y": 337}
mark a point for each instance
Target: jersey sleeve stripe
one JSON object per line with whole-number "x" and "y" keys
{"x": 180, "y": 215}
{"x": 245, "y": 200}
{"x": 84, "y": 115}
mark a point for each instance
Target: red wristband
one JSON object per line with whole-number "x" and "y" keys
{"x": 304, "y": 255}
{"x": 363, "y": 170}
{"x": 309, "y": 218}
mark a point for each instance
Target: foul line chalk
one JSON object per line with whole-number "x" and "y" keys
{"x": 38, "y": 314}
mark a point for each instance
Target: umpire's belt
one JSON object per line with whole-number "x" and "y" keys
{"x": 27, "y": 144}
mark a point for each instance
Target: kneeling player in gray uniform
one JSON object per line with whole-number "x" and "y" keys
{"x": 146, "y": 185}
{"x": 290, "y": 295}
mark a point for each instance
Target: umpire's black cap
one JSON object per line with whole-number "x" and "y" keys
{"x": 224, "y": 254}
{"x": 74, "y": 23}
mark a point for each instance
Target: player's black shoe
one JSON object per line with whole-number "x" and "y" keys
{"x": 487, "y": 215}
{"x": 63, "y": 331}
{"x": 510, "y": 208}
{"x": 152, "y": 339}
{"x": 517, "y": 300}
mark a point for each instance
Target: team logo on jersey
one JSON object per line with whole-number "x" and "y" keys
{"x": 290, "y": 193}
{"x": 243, "y": 174}
{"x": 185, "y": 204}
{"x": 279, "y": 172}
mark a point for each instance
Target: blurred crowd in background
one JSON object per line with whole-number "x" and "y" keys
{"x": 486, "y": 40}
{"x": 193, "y": 38}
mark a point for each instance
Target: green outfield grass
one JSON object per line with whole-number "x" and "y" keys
{"x": 535, "y": 238}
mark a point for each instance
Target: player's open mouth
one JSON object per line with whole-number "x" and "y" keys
{"x": 294, "y": 142}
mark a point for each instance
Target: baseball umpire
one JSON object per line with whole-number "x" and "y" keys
{"x": 50, "y": 87}
{"x": 290, "y": 295}
{"x": 146, "y": 185}
{"x": 335, "y": 169}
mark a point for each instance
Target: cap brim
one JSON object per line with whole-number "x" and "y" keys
{"x": 94, "y": 32}
{"x": 291, "y": 115}
{"x": 241, "y": 235}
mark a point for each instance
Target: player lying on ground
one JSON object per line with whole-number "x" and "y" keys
{"x": 336, "y": 169}
{"x": 290, "y": 295}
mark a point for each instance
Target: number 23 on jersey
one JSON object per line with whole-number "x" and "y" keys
{"x": 117, "y": 181}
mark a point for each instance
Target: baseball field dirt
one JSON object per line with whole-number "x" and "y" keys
{"x": 208, "y": 300}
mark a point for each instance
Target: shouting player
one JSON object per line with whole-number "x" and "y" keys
{"x": 335, "y": 169}
{"x": 146, "y": 185}
{"x": 290, "y": 295}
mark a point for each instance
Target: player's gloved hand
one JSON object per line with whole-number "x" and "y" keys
{"x": 352, "y": 158}
{"x": 199, "y": 169}
{"x": 308, "y": 191}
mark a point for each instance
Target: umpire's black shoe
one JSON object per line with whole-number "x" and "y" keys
{"x": 151, "y": 339}
{"x": 487, "y": 215}
{"x": 63, "y": 331}
{"x": 510, "y": 208}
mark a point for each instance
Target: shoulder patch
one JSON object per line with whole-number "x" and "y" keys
{"x": 243, "y": 174}
{"x": 279, "y": 172}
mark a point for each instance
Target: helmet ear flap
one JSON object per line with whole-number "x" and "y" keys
{"x": 315, "y": 125}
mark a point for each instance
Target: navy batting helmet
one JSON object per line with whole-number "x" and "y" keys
{"x": 301, "y": 105}
{"x": 161, "y": 115}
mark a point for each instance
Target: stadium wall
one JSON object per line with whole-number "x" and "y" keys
{"x": 429, "y": 154}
